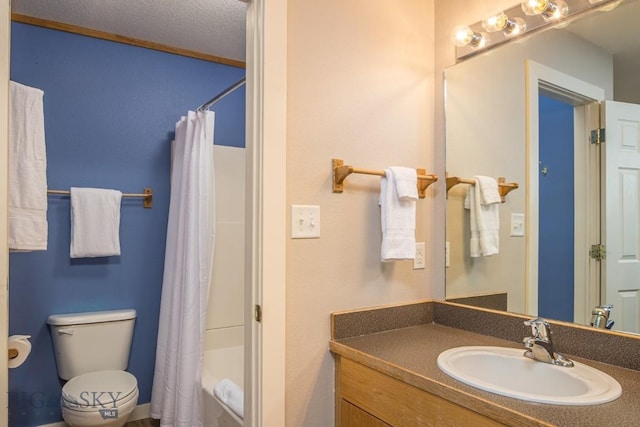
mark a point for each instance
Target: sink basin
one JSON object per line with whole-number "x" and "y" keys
{"x": 507, "y": 372}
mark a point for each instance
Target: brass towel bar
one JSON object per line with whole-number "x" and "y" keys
{"x": 147, "y": 196}
{"x": 503, "y": 187}
{"x": 342, "y": 171}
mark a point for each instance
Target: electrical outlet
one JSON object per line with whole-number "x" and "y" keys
{"x": 517, "y": 224}
{"x": 418, "y": 261}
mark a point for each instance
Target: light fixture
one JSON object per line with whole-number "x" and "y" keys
{"x": 550, "y": 10}
{"x": 464, "y": 36}
{"x": 499, "y": 21}
{"x": 524, "y": 17}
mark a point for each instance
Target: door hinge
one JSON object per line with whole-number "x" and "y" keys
{"x": 598, "y": 136}
{"x": 598, "y": 252}
{"x": 258, "y": 312}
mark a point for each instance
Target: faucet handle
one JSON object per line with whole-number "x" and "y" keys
{"x": 540, "y": 328}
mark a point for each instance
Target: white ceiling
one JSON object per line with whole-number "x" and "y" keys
{"x": 214, "y": 27}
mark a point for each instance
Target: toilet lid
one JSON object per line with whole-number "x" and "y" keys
{"x": 98, "y": 389}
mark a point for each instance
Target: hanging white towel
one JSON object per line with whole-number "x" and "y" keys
{"x": 27, "y": 170}
{"x": 483, "y": 202}
{"x": 231, "y": 395}
{"x": 398, "y": 195}
{"x": 95, "y": 222}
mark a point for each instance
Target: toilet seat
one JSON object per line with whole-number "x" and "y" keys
{"x": 98, "y": 390}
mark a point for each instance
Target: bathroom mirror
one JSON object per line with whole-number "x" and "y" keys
{"x": 524, "y": 111}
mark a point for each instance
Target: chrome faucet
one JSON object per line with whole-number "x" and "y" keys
{"x": 600, "y": 316}
{"x": 540, "y": 346}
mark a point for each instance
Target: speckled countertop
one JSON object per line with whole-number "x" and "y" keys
{"x": 410, "y": 354}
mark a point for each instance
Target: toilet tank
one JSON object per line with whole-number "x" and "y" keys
{"x": 93, "y": 341}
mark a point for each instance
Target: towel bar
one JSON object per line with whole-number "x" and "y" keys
{"x": 147, "y": 196}
{"x": 503, "y": 187}
{"x": 342, "y": 171}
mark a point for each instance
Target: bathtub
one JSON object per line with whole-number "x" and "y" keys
{"x": 220, "y": 363}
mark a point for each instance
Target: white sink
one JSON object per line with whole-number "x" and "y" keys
{"x": 507, "y": 372}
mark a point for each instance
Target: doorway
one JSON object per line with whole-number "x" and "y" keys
{"x": 556, "y": 210}
{"x": 578, "y": 272}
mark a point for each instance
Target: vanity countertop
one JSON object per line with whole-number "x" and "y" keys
{"x": 410, "y": 353}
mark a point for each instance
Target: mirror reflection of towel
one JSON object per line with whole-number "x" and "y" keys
{"x": 95, "y": 222}
{"x": 483, "y": 202}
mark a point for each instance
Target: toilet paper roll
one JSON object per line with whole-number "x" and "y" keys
{"x": 22, "y": 344}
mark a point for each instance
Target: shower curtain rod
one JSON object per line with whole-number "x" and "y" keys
{"x": 221, "y": 95}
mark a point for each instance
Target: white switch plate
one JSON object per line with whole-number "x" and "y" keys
{"x": 418, "y": 261}
{"x": 305, "y": 221}
{"x": 517, "y": 224}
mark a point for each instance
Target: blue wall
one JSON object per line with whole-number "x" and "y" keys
{"x": 110, "y": 112}
{"x": 556, "y": 211}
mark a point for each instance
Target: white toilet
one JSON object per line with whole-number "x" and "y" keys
{"x": 92, "y": 352}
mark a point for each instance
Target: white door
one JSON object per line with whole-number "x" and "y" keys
{"x": 621, "y": 213}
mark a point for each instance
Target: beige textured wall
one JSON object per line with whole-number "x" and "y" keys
{"x": 360, "y": 87}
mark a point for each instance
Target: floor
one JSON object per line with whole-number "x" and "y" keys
{"x": 147, "y": 422}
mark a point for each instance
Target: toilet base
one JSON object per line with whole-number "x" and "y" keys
{"x": 101, "y": 417}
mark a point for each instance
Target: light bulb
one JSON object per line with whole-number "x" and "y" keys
{"x": 496, "y": 22}
{"x": 555, "y": 10}
{"x": 534, "y": 7}
{"x": 499, "y": 21}
{"x": 516, "y": 26}
{"x": 464, "y": 36}
{"x": 550, "y": 10}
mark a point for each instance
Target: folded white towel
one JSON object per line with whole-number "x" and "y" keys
{"x": 231, "y": 395}
{"x": 398, "y": 195}
{"x": 27, "y": 170}
{"x": 95, "y": 222}
{"x": 483, "y": 202}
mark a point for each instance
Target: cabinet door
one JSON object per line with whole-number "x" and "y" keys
{"x": 397, "y": 403}
{"x": 352, "y": 416}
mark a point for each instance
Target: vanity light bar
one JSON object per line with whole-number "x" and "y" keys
{"x": 533, "y": 23}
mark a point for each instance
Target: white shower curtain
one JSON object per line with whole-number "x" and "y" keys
{"x": 177, "y": 395}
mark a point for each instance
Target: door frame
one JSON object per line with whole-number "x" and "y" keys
{"x": 5, "y": 46}
{"x": 265, "y": 253}
{"x": 540, "y": 78}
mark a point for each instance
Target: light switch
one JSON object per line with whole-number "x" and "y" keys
{"x": 517, "y": 224}
{"x": 305, "y": 221}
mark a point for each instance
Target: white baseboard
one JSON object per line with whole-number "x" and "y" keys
{"x": 141, "y": 412}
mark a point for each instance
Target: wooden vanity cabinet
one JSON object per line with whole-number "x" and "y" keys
{"x": 368, "y": 398}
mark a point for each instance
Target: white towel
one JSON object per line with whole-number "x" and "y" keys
{"x": 231, "y": 395}
{"x": 27, "y": 170}
{"x": 95, "y": 222}
{"x": 398, "y": 195}
{"x": 483, "y": 202}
